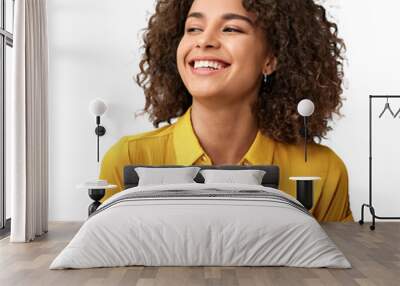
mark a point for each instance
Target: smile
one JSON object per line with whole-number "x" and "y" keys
{"x": 207, "y": 67}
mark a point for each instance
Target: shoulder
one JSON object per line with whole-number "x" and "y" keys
{"x": 144, "y": 138}
{"x": 320, "y": 156}
{"x": 148, "y": 138}
{"x": 123, "y": 150}
{"x": 328, "y": 158}
{"x": 330, "y": 155}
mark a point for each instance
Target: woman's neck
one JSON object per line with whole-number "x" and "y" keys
{"x": 225, "y": 132}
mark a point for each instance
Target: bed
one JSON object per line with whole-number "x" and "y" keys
{"x": 201, "y": 224}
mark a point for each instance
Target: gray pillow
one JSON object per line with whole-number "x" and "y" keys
{"x": 162, "y": 176}
{"x": 248, "y": 177}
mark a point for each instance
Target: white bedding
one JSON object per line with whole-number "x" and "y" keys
{"x": 203, "y": 231}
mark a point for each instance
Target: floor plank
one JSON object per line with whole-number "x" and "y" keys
{"x": 374, "y": 255}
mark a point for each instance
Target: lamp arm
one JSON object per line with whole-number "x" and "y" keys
{"x": 100, "y": 131}
{"x": 98, "y": 147}
{"x": 98, "y": 137}
{"x": 305, "y": 138}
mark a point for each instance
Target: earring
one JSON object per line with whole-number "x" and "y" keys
{"x": 265, "y": 78}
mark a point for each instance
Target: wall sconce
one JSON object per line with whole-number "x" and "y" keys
{"x": 304, "y": 185}
{"x": 97, "y": 107}
{"x": 305, "y": 108}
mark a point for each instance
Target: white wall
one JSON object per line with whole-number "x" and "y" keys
{"x": 94, "y": 52}
{"x": 370, "y": 28}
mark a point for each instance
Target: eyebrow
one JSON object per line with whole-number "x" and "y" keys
{"x": 228, "y": 16}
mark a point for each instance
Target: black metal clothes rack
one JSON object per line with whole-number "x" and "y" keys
{"x": 370, "y": 205}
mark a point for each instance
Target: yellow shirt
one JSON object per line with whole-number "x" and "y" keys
{"x": 177, "y": 144}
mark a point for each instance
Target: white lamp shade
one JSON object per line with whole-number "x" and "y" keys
{"x": 306, "y": 107}
{"x": 97, "y": 107}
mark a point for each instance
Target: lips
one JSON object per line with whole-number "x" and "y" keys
{"x": 206, "y": 71}
{"x": 223, "y": 65}
{"x": 222, "y": 62}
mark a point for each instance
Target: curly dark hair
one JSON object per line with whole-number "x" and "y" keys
{"x": 309, "y": 55}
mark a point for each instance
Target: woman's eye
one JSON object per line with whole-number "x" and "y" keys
{"x": 189, "y": 30}
{"x": 230, "y": 29}
{"x": 227, "y": 29}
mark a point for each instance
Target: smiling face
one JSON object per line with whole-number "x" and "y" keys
{"x": 222, "y": 53}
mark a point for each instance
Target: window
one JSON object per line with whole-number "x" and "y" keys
{"x": 6, "y": 44}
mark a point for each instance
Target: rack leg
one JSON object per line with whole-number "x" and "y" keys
{"x": 372, "y": 210}
{"x": 361, "y": 221}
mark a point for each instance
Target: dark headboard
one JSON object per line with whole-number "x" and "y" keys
{"x": 270, "y": 179}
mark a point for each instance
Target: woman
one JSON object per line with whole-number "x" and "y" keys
{"x": 233, "y": 72}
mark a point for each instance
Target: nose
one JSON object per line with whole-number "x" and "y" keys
{"x": 207, "y": 39}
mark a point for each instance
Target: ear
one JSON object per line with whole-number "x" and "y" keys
{"x": 270, "y": 65}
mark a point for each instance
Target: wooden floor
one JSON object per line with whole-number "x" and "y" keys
{"x": 375, "y": 257}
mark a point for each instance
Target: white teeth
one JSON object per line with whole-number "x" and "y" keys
{"x": 207, "y": 64}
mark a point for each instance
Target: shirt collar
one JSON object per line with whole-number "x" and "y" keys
{"x": 187, "y": 146}
{"x": 188, "y": 149}
{"x": 261, "y": 151}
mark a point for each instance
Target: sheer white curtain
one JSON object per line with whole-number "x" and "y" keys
{"x": 29, "y": 121}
